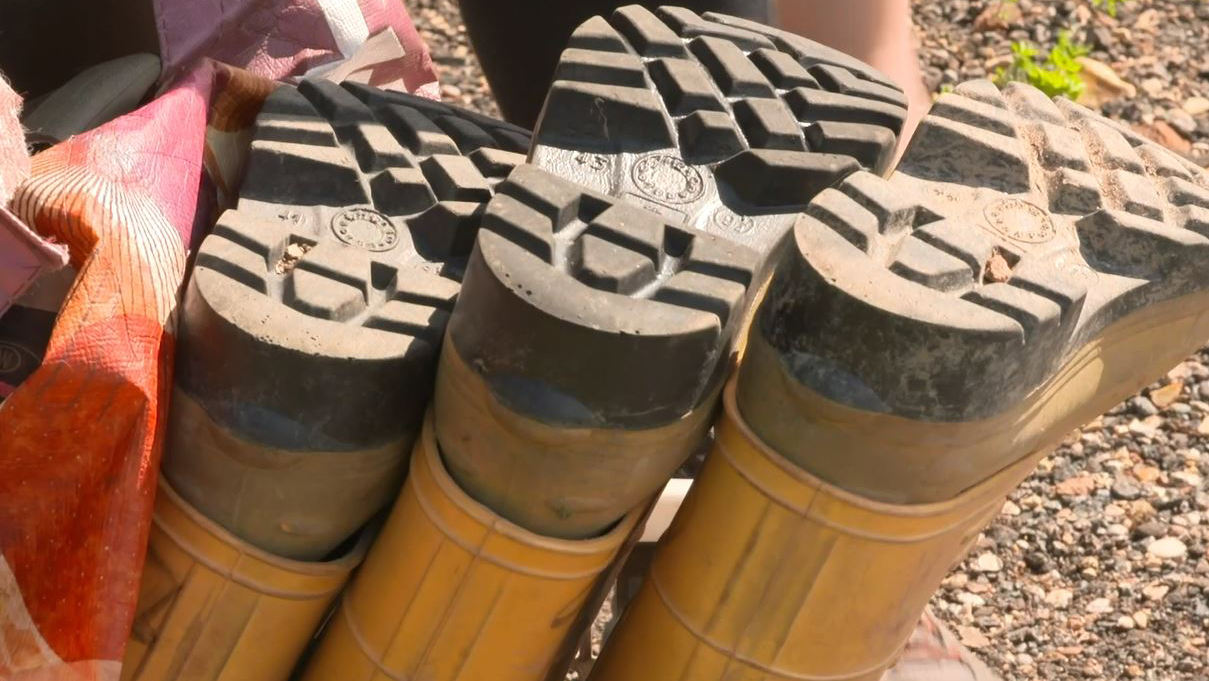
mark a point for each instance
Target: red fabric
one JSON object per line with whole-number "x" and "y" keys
{"x": 80, "y": 440}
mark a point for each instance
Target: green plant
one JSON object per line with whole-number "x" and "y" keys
{"x": 1109, "y": 5}
{"x": 1057, "y": 75}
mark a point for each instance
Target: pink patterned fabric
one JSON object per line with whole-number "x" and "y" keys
{"x": 80, "y": 439}
{"x": 23, "y": 255}
{"x": 279, "y": 39}
{"x": 14, "y": 163}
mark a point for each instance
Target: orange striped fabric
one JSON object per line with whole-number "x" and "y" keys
{"x": 80, "y": 440}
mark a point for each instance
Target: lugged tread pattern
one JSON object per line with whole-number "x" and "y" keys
{"x": 1015, "y": 230}
{"x": 584, "y": 281}
{"x": 727, "y": 126}
{"x": 704, "y": 91}
{"x": 692, "y": 64}
{"x": 342, "y": 259}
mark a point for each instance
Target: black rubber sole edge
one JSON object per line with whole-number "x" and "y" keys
{"x": 315, "y": 311}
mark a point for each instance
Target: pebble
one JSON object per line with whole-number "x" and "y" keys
{"x": 1126, "y": 489}
{"x": 1168, "y": 548}
{"x": 1187, "y": 478}
{"x": 1142, "y": 405}
{"x": 1156, "y": 592}
{"x": 1182, "y": 121}
{"x": 1099, "y": 606}
{"x": 972, "y": 600}
{"x": 1165, "y": 396}
{"x": 1059, "y": 598}
{"x": 1152, "y": 528}
{"x": 989, "y": 562}
{"x": 1196, "y": 106}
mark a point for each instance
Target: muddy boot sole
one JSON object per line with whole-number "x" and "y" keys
{"x": 993, "y": 287}
{"x": 614, "y": 275}
{"x": 314, "y": 316}
{"x": 925, "y": 342}
{"x": 724, "y": 124}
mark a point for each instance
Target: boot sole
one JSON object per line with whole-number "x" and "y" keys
{"x": 313, "y": 320}
{"x": 990, "y": 286}
{"x": 723, "y": 124}
{"x": 628, "y": 254}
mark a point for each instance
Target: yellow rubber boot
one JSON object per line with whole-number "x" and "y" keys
{"x": 767, "y": 572}
{"x": 926, "y": 341}
{"x": 453, "y": 592}
{"x": 214, "y": 608}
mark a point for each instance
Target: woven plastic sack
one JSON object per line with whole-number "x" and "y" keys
{"x": 80, "y": 440}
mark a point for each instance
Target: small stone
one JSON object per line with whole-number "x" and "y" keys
{"x": 997, "y": 270}
{"x": 998, "y": 16}
{"x": 1059, "y": 598}
{"x": 1142, "y": 619}
{"x": 1168, "y": 548}
{"x": 956, "y": 581}
{"x": 988, "y": 562}
{"x": 978, "y": 588}
{"x": 972, "y": 637}
{"x": 1010, "y": 509}
{"x": 1203, "y": 428}
{"x": 1151, "y": 528}
{"x": 1145, "y": 473}
{"x": 1147, "y": 20}
{"x": 1186, "y": 478}
{"x": 1099, "y": 606}
{"x": 1125, "y": 623}
{"x": 1125, "y": 489}
{"x": 1037, "y": 562}
{"x": 1144, "y": 428}
{"x": 1154, "y": 87}
{"x": 1163, "y": 397}
{"x": 972, "y": 600}
{"x": 1078, "y": 486}
{"x": 1162, "y": 133}
{"x": 1156, "y": 592}
{"x": 1182, "y": 121}
{"x": 1102, "y": 84}
{"x": 1142, "y": 405}
{"x": 1196, "y": 106}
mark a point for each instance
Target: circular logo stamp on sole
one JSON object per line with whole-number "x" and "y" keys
{"x": 365, "y": 228}
{"x": 1020, "y": 221}
{"x": 667, "y": 178}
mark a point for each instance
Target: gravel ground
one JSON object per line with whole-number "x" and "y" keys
{"x": 1097, "y": 567}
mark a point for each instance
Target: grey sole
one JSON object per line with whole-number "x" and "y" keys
{"x": 724, "y": 129}
{"x": 723, "y": 124}
{"x": 315, "y": 311}
{"x": 1014, "y": 231}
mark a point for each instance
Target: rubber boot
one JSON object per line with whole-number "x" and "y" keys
{"x": 213, "y": 608}
{"x": 311, "y": 324}
{"x": 928, "y": 339}
{"x": 453, "y": 592}
{"x": 96, "y": 96}
{"x": 595, "y": 329}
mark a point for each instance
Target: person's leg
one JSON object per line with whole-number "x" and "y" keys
{"x": 519, "y": 42}
{"x": 878, "y": 32}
